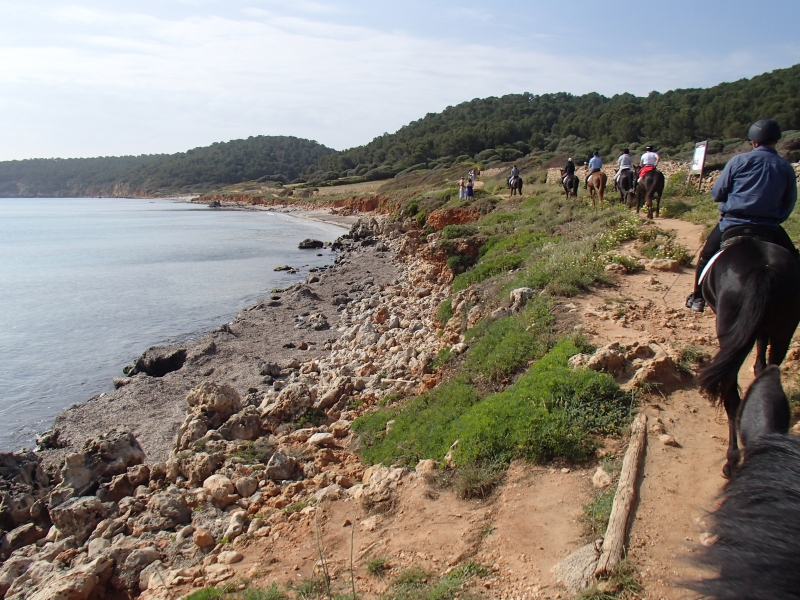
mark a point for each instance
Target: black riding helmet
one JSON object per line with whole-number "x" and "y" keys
{"x": 649, "y": 149}
{"x": 764, "y": 131}
{"x": 626, "y": 151}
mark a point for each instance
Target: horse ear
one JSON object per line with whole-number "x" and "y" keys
{"x": 766, "y": 408}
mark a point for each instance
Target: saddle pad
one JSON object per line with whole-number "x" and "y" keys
{"x": 707, "y": 268}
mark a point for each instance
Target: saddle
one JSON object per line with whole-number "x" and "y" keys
{"x": 742, "y": 233}
{"x": 736, "y": 235}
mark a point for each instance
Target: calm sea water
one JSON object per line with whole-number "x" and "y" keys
{"x": 86, "y": 285}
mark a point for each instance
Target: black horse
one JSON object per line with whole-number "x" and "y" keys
{"x": 515, "y": 185}
{"x": 570, "y": 184}
{"x": 756, "y": 529}
{"x": 649, "y": 188}
{"x": 626, "y": 187}
{"x": 754, "y": 289}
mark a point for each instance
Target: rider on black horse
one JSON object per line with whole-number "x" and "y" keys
{"x": 757, "y": 192}
{"x": 569, "y": 169}
{"x": 514, "y": 173}
{"x": 624, "y": 163}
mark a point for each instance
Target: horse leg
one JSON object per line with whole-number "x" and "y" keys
{"x": 731, "y": 401}
{"x": 761, "y": 354}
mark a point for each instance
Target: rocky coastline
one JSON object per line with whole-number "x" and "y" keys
{"x": 204, "y": 447}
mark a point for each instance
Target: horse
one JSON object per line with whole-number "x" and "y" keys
{"x": 597, "y": 185}
{"x": 515, "y": 185}
{"x": 626, "y": 187}
{"x": 648, "y": 187}
{"x": 754, "y": 289}
{"x": 570, "y": 183}
{"x": 756, "y": 528}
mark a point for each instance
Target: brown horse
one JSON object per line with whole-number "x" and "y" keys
{"x": 570, "y": 183}
{"x": 649, "y": 187}
{"x": 515, "y": 185}
{"x": 626, "y": 187}
{"x": 597, "y": 185}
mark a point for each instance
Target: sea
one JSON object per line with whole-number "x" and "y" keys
{"x": 88, "y": 284}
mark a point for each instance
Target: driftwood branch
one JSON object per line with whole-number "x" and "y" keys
{"x": 614, "y": 542}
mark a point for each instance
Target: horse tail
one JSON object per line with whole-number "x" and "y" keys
{"x": 736, "y": 343}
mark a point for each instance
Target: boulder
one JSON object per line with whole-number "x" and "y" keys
{"x": 24, "y": 535}
{"x": 321, "y": 439}
{"x": 22, "y": 482}
{"x": 608, "y": 359}
{"x": 78, "y": 517}
{"x": 219, "y": 487}
{"x": 426, "y": 466}
{"x": 246, "y": 486}
{"x": 229, "y": 557}
{"x": 292, "y": 400}
{"x": 660, "y": 370}
{"x": 48, "y": 583}
{"x": 133, "y": 566}
{"x": 576, "y": 571}
{"x": 165, "y": 510}
{"x": 244, "y": 425}
{"x": 310, "y": 244}
{"x": 197, "y": 467}
{"x": 601, "y": 479}
{"x": 10, "y": 571}
{"x": 203, "y": 538}
{"x": 280, "y": 467}
{"x": 158, "y": 361}
{"x": 520, "y": 297}
{"x": 236, "y": 525}
{"x": 217, "y": 403}
{"x": 100, "y": 459}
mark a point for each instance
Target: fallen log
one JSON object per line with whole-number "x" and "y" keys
{"x": 614, "y": 542}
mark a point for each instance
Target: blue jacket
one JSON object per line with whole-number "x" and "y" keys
{"x": 595, "y": 163}
{"x": 755, "y": 188}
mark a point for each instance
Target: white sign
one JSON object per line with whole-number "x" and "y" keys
{"x": 699, "y": 159}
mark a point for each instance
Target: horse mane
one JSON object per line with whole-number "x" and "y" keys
{"x": 757, "y": 553}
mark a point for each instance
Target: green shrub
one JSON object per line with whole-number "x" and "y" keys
{"x": 451, "y": 232}
{"x": 445, "y": 312}
{"x": 477, "y": 481}
{"x": 442, "y": 358}
{"x": 376, "y": 566}
{"x": 421, "y": 426}
{"x": 504, "y": 346}
{"x": 459, "y": 263}
{"x": 550, "y": 412}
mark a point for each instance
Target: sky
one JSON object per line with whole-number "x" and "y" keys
{"x": 100, "y": 78}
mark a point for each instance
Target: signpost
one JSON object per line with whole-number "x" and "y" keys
{"x": 699, "y": 161}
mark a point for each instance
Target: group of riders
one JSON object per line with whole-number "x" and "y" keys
{"x": 649, "y": 161}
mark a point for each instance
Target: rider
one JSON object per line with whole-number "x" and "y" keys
{"x": 568, "y": 169}
{"x": 756, "y": 190}
{"x": 648, "y": 162}
{"x": 624, "y": 162}
{"x": 514, "y": 173}
{"x": 595, "y": 164}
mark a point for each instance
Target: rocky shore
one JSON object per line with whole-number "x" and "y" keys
{"x": 208, "y": 446}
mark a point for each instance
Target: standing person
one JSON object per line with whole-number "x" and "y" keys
{"x": 471, "y": 175}
{"x": 756, "y": 191}
{"x": 595, "y": 164}
{"x": 462, "y": 190}
{"x": 624, "y": 163}
{"x": 470, "y": 185}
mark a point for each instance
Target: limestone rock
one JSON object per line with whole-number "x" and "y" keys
{"x": 321, "y": 439}
{"x": 280, "y": 467}
{"x": 291, "y": 401}
{"x": 165, "y": 510}
{"x": 51, "y": 583}
{"x": 310, "y": 244}
{"x": 660, "y": 370}
{"x": 203, "y": 538}
{"x": 520, "y": 297}
{"x": 246, "y": 486}
{"x": 158, "y": 361}
{"x": 664, "y": 265}
{"x": 101, "y": 457}
{"x": 601, "y": 479}
{"x": 576, "y": 571}
{"x": 229, "y": 557}
{"x": 133, "y": 566}
{"x": 608, "y": 359}
{"x": 426, "y": 466}
{"x": 198, "y": 467}
{"x": 22, "y": 483}
{"x": 236, "y": 525}
{"x": 615, "y": 268}
{"x": 340, "y": 429}
{"x": 78, "y": 517}
{"x": 219, "y": 487}
{"x": 10, "y": 571}
{"x": 245, "y": 425}
{"x": 217, "y": 403}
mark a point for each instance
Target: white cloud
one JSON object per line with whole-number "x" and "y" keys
{"x": 103, "y": 82}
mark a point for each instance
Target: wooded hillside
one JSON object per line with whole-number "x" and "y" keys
{"x": 197, "y": 170}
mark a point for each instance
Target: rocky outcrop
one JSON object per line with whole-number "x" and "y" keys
{"x": 158, "y": 361}
{"x": 23, "y": 486}
{"x": 441, "y": 218}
